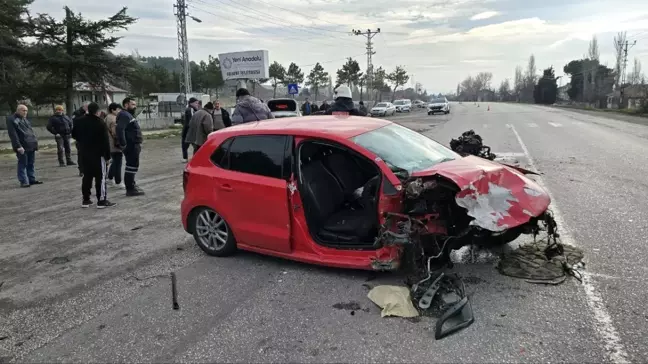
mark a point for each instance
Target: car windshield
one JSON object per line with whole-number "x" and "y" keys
{"x": 381, "y": 105}
{"x": 438, "y": 101}
{"x": 400, "y": 102}
{"x": 402, "y": 148}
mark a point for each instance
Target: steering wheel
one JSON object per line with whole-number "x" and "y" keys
{"x": 370, "y": 191}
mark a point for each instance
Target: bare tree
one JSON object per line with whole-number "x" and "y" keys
{"x": 634, "y": 77}
{"x": 619, "y": 41}
{"x": 593, "y": 50}
{"x": 505, "y": 90}
{"x": 530, "y": 79}
{"x": 518, "y": 83}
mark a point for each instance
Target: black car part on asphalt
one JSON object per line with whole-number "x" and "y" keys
{"x": 470, "y": 143}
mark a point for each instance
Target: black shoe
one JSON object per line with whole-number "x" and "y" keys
{"x": 61, "y": 164}
{"x": 25, "y": 185}
{"x": 105, "y": 203}
{"x": 70, "y": 163}
{"x": 36, "y": 183}
{"x": 86, "y": 203}
{"x": 135, "y": 192}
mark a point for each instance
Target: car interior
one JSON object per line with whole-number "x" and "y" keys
{"x": 282, "y": 105}
{"x": 339, "y": 190}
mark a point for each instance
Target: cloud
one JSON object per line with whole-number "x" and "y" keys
{"x": 484, "y": 15}
{"x": 438, "y": 41}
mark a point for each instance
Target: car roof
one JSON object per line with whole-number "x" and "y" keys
{"x": 324, "y": 126}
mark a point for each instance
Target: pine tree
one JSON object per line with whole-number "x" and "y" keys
{"x": 317, "y": 78}
{"x": 77, "y": 49}
{"x": 14, "y": 26}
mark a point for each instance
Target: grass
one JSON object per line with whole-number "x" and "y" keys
{"x": 631, "y": 112}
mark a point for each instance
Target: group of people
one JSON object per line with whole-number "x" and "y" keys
{"x": 343, "y": 103}
{"x": 100, "y": 138}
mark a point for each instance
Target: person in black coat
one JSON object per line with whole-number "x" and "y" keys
{"x": 91, "y": 134}
{"x": 194, "y": 105}
{"x": 60, "y": 125}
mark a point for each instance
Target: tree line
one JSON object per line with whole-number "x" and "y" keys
{"x": 590, "y": 81}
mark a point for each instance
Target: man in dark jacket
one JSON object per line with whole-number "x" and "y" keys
{"x": 194, "y": 105}
{"x": 82, "y": 111}
{"x": 221, "y": 114}
{"x": 91, "y": 134}
{"x": 306, "y": 107}
{"x": 25, "y": 144}
{"x": 129, "y": 137}
{"x": 344, "y": 103}
{"x": 60, "y": 125}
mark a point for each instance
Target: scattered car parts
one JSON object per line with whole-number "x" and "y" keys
{"x": 470, "y": 143}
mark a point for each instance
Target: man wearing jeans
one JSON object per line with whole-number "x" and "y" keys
{"x": 60, "y": 125}
{"x": 25, "y": 144}
{"x": 115, "y": 171}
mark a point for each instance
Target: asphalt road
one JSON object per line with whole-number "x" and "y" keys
{"x": 106, "y": 296}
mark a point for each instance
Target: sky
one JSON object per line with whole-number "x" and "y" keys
{"x": 439, "y": 42}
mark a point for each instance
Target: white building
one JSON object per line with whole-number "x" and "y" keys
{"x": 85, "y": 91}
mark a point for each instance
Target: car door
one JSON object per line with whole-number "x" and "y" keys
{"x": 254, "y": 183}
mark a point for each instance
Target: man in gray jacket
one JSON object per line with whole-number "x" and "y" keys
{"x": 249, "y": 108}
{"x": 25, "y": 144}
{"x": 201, "y": 125}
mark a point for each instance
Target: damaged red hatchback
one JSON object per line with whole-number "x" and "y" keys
{"x": 350, "y": 192}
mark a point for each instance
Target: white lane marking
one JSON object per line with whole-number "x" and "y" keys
{"x": 506, "y": 154}
{"x": 532, "y": 125}
{"x": 603, "y": 321}
{"x": 555, "y": 125}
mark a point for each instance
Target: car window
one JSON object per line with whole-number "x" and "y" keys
{"x": 220, "y": 154}
{"x": 402, "y": 148}
{"x": 262, "y": 155}
{"x": 439, "y": 101}
{"x": 381, "y": 105}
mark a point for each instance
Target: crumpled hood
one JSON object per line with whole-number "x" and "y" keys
{"x": 496, "y": 196}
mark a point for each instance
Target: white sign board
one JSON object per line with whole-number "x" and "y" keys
{"x": 249, "y": 64}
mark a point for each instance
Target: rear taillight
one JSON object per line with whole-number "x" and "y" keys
{"x": 185, "y": 179}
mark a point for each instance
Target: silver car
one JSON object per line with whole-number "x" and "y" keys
{"x": 383, "y": 109}
{"x": 438, "y": 105}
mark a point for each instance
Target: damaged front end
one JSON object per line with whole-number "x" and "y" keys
{"x": 468, "y": 201}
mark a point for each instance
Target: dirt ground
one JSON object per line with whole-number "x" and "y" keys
{"x": 51, "y": 246}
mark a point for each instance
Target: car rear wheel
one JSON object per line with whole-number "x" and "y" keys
{"x": 212, "y": 233}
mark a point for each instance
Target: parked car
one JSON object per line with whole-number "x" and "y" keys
{"x": 404, "y": 105}
{"x": 420, "y": 104}
{"x": 439, "y": 105}
{"x": 383, "y": 109}
{"x": 283, "y": 108}
{"x": 348, "y": 192}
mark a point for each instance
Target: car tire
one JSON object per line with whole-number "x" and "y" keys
{"x": 208, "y": 226}
{"x": 504, "y": 238}
{"x": 430, "y": 113}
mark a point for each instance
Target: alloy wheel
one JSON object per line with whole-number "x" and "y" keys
{"x": 211, "y": 230}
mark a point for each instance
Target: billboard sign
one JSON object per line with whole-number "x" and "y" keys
{"x": 241, "y": 65}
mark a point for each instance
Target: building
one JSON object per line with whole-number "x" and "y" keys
{"x": 634, "y": 97}
{"x": 85, "y": 91}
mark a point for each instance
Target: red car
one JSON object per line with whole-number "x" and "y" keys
{"x": 350, "y": 192}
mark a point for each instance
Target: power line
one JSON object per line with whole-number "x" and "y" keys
{"x": 369, "y": 35}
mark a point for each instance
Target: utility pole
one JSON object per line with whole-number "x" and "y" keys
{"x": 369, "y": 34}
{"x": 180, "y": 11}
{"x": 626, "y": 46}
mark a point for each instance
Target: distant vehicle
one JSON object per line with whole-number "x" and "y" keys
{"x": 404, "y": 105}
{"x": 420, "y": 104}
{"x": 383, "y": 109}
{"x": 284, "y": 108}
{"x": 439, "y": 105}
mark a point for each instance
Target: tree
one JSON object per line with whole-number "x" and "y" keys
{"x": 398, "y": 78}
{"x": 379, "y": 83}
{"x": 317, "y": 79}
{"x": 504, "y": 90}
{"x": 15, "y": 77}
{"x": 349, "y": 74}
{"x": 546, "y": 91}
{"x": 518, "y": 83}
{"x": 635, "y": 76}
{"x": 277, "y": 74}
{"x": 593, "y": 50}
{"x": 530, "y": 79}
{"x": 619, "y": 42}
{"x": 294, "y": 75}
{"x": 77, "y": 49}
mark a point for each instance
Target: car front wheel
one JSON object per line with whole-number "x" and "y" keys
{"x": 212, "y": 233}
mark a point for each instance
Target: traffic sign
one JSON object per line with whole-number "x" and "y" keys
{"x": 293, "y": 89}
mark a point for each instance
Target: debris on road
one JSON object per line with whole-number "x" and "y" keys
{"x": 394, "y": 301}
{"x": 470, "y": 143}
{"x": 174, "y": 292}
